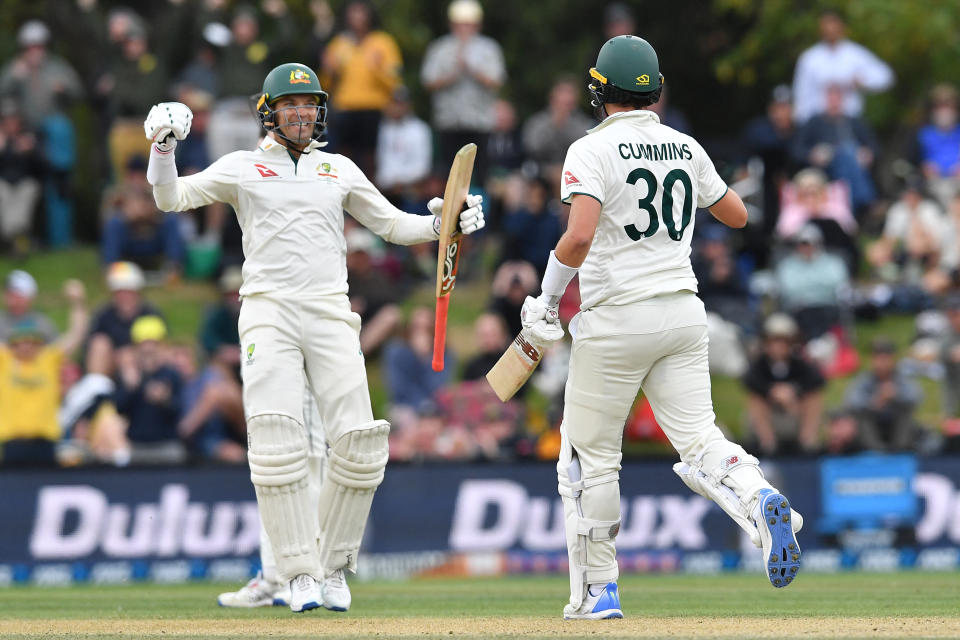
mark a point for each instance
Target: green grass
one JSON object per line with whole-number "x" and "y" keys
{"x": 513, "y": 603}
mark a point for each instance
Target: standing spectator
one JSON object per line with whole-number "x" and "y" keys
{"x": 884, "y": 401}
{"x": 811, "y": 284}
{"x": 464, "y": 70}
{"x": 950, "y": 358}
{"x": 110, "y": 331}
{"x": 842, "y": 145}
{"x": 938, "y": 144}
{"x": 148, "y": 395}
{"x": 548, "y": 133}
{"x": 21, "y": 171}
{"x": 404, "y": 151}
{"x": 491, "y": 339}
{"x": 836, "y": 61}
{"x": 322, "y": 30}
{"x": 784, "y": 393}
{"x": 30, "y": 386}
{"x": 505, "y": 147}
{"x": 19, "y": 291}
{"x": 361, "y": 69}
{"x": 534, "y": 228}
{"x": 144, "y": 235}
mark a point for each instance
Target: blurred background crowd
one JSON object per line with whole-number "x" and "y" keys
{"x": 834, "y": 315}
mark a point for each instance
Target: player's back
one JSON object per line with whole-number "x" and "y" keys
{"x": 649, "y": 179}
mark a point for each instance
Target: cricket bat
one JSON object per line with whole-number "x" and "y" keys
{"x": 448, "y": 253}
{"x": 514, "y": 367}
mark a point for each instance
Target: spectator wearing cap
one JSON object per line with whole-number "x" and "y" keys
{"x": 21, "y": 173}
{"x": 20, "y": 289}
{"x": 110, "y": 330}
{"x": 548, "y": 133}
{"x": 372, "y": 294}
{"x": 950, "y": 358}
{"x": 361, "y": 70}
{"x": 30, "y": 387}
{"x": 784, "y": 392}
{"x": 836, "y": 61}
{"x": 148, "y": 395}
{"x": 938, "y": 143}
{"x": 404, "y": 150}
{"x": 144, "y": 235}
{"x": 812, "y": 283}
{"x": 464, "y": 70}
{"x": 884, "y": 401}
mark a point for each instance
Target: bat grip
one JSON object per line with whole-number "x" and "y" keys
{"x": 440, "y": 332}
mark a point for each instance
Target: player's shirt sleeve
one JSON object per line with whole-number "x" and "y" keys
{"x": 216, "y": 183}
{"x": 582, "y": 173}
{"x": 710, "y": 186}
{"x": 370, "y": 208}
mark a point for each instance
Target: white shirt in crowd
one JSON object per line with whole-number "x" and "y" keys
{"x": 404, "y": 152}
{"x": 846, "y": 64}
{"x": 927, "y": 215}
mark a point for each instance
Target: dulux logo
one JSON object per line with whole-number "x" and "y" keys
{"x": 941, "y": 513}
{"x": 536, "y": 523}
{"x": 76, "y": 521}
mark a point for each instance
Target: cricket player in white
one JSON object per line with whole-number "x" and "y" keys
{"x": 633, "y": 185}
{"x": 290, "y": 197}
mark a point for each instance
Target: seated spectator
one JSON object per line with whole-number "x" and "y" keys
{"x": 372, "y": 294}
{"x": 531, "y": 231}
{"x": 842, "y": 145}
{"x": 30, "y": 387}
{"x": 950, "y": 358}
{"x": 884, "y": 401}
{"x": 213, "y": 418}
{"x": 548, "y": 133}
{"x": 491, "y": 339}
{"x": 404, "y": 151}
{"x": 489, "y": 427}
{"x": 948, "y": 275}
{"x": 505, "y": 151}
{"x": 843, "y": 436}
{"x": 148, "y": 396}
{"x": 722, "y": 288}
{"x": 809, "y": 199}
{"x": 908, "y": 252}
{"x": 21, "y": 171}
{"x": 784, "y": 393}
{"x": 144, "y": 235}
{"x": 938, "y": 144}
{"x": 770, "y": 138}
{"x": 512, "y": 283}
{"x": 811, "y": 284}
{"x": 110, "y": 330}
{"x": 18, "y": 295}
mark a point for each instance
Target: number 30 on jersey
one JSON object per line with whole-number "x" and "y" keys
{"x": 666, "y": 203}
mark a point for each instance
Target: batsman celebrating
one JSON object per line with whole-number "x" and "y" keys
{"x": 632, "y": 184}
{"x": 290, "y": 197}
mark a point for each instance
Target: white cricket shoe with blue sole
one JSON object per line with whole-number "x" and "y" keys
{"x": 281, "y": 597}
{"x": 305, "y": 593}
{"x": 258, "y": 592}
{"x": 602, "y": 606}
{"x": 781, "y": 551}
{"x": 336, "y": 593}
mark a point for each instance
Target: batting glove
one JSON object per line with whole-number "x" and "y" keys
{"x": 535, "y": 310}
{"x": 166, "y": 123}
{"x": 543, "y": 334}
{"x": 471, "y": 218}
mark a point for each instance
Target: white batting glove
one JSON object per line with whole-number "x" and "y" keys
{"x": 471, "y": 218}
{"x": 166, "y": 123}
{"x": 543, "y": 334}
{"x": 535, "y": 310}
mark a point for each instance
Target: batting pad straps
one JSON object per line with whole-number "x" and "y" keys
{"x": 162, "y": 167}
{"x": 555, "y": 280}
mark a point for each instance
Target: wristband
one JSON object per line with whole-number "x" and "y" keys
{"x": 555, "y": 280}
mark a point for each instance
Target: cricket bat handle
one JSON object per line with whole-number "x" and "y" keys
{"x": 440, "y": 332}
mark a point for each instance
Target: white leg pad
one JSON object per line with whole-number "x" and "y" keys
{"x": 589, "y": 509}
{"x": 728, "y": 475}
{"x": 355, "y": 466}
{"x": 278, "y": 470}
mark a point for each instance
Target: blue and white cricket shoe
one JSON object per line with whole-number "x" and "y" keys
{"x": 336, "y": 593}
{"x": 605, "y": 604}
{"x": 305, "y": 593}
{"x": 776, "y": 526}
{"x": 259, "y": 592}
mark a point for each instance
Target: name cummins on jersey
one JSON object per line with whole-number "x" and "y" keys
{"x": 649, "y": 179}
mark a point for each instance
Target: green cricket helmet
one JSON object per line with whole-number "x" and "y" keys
{"x": 290, "y": 79}
{"x": 627, "y": 72}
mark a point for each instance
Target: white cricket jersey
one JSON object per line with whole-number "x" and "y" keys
{"x": 649, "y": 179}
{"x": 291, "y": 214}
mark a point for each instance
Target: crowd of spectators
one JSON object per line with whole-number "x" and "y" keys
{"x": 826, "y": 247}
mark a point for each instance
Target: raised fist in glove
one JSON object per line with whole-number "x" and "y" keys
{"x": 166, "y": 123}
{"x": 471, "y": 218}
{"x": 541, "y": 322}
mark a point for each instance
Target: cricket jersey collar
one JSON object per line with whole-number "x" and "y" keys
{"x": 270, "y": 145}
{"x": 640, "y": 115}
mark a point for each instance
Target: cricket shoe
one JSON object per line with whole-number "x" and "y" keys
{"x": 605, "y": 604}
{"x": 281, "y": 597}
{"x": 336, "y": 593}
{"x": 775, "y": 524}
{"x": 305, "y": 593}
{"x": 259, "y": 592}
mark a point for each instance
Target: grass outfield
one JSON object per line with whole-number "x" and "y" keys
{"x": 726, "y": 606}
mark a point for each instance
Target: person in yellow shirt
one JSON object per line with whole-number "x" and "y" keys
{"x": 30, "y": 385}
{"x": 362, "y": 66}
